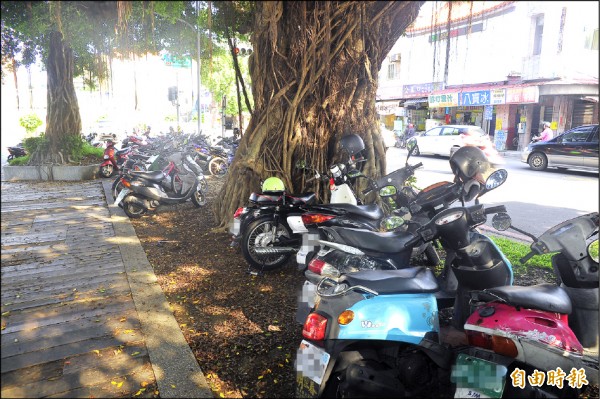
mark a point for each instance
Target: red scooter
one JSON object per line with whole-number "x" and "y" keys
{"x": 109, "y": 166}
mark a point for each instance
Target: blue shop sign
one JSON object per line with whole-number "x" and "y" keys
{"x": 474, "y": 98}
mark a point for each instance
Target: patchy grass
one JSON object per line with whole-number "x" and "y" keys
{"x": 515, "y": 250}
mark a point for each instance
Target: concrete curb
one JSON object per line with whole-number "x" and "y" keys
{"x": 176, "y": 370}
{"x": 50, "y": 172}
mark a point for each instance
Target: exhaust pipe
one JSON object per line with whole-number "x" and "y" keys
{"x": 275, "y": 250}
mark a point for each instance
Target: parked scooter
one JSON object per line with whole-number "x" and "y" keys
{"x": 144, "y": 191}
{"x": 376, "y": 332}
{"x": 544, "y": 329}
{"x": 16, "y": 151}
{"x": 266, "y": 226}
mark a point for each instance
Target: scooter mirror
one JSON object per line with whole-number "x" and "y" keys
{"x": 496, "y": 179}
{"x": 391, "y": 223}
{"x": 592, "y": 250}
{"x": 501, "y": 221}
{"x": 387, "y": 191}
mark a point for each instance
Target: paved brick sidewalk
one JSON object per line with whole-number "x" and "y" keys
{"x": 82, "y": 313}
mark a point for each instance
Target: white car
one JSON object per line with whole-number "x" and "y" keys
{"x": 446, "y": 139}
{"x": 389, "y": 137}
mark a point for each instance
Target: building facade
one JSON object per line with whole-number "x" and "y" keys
{"x": 506, "y": 66}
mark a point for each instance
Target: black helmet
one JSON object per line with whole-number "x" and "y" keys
{"x": 352, "y": 143}
{"x": 467, "y": 162}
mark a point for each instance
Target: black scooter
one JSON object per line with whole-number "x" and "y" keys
{"x": 16, "y": 151}
{"x": 144, "y": 191}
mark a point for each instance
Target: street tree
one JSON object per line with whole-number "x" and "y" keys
{"x": 314, "y": 73}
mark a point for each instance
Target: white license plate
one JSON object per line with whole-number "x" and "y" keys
{"x": 121, "y": 195}
{"x": 234, "y": 229}
{"x": 311, "y": 364}
{"x": 478, "y": 378}
{"x": 106, "y": 157}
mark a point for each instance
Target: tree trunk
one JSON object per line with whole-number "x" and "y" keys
{"x": 14, "y": 69}
{"x": 314, "y": 73}
{"x": 63, "y": 120}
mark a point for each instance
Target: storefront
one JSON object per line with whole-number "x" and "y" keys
{"x": 493, "y": 108}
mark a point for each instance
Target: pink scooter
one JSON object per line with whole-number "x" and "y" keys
{"x": 545, "y": 334}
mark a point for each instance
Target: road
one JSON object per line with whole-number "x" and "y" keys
{"x": 535, "y": 200}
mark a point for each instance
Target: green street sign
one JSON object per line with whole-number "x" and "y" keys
{"x": 177, "y": 61}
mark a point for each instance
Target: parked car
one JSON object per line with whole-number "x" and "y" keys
{"x": 446, "y": 139}
{"x": 389, "y": 138}
{"x": 574, "y": 149}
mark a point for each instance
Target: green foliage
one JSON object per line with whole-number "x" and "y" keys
{"x": 88, "y": 150}
{"x": 34, "y": 144}
{"x": 20, "y": 161}
{"x": 30, "y": 122}
{"x": 514, "y": 251}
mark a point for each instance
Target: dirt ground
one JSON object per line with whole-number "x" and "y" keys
{"x": 241, "y": 327}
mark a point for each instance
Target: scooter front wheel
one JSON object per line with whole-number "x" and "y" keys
{"x": 107, "y": 170}
{"x": 133, "y": 210}
{"x": 198, "y": 198}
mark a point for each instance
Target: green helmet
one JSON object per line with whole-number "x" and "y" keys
{"x": 273, "y": 184}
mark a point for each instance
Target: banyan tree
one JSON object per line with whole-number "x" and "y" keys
{"x": 314, "y": 76}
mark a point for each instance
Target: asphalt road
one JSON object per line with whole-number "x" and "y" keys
{"x": 536, "y": 201}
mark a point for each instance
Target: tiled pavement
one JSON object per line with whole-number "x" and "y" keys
{"x": 82, "y": 313}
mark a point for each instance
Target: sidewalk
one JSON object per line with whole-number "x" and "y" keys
{"x": 82, "y": 312}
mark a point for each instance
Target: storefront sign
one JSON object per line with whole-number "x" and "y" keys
{"x": 474, "y": 98}
{"x": 488, "y": 112}
{"x": 443, "y": 100}
{"x": 522, "y": 95}
{"x": 457, "y": 32}
{"x": 421, "y": 90}
{"x": 498, "y": 96}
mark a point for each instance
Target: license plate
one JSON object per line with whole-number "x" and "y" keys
{"x": 106, "y": 157}
{"x": 234, "y": 228}
{"x": 311, "y": 363}
{"x": 478, "y": 378}
{"x": 121, "y": 195}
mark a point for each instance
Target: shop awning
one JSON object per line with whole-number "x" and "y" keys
{"x": 415, "y": 101}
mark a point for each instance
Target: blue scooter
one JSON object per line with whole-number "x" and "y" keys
{"x": 376, "y": 333}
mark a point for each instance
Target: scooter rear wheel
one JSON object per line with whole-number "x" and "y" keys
{"x": 259, "y": 234}
{"x": 132, "y": 209}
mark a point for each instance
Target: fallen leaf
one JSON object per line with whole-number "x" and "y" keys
{"x": 173, "y": 386}
{"x": 144, "y": 384}
{"x": 123, "y": 319}
{"x": 97, "y": 352}
{"x": 135, "y": 353}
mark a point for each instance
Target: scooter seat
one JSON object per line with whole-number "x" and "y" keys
{"x": 264, "y": 199}
{"x": 546, "y": 297}
{"x": 404, "y": 281}
{"x": 303, "y": 199}
{"x": 370, "y": 211}
{"x": 123, "y": 151}
{"x": 389, "y": 242}
{"x": 154, "y": 175}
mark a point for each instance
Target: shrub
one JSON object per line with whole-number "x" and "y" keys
{"x": 20, "y": 161}
{"x": 33, "y": 144}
